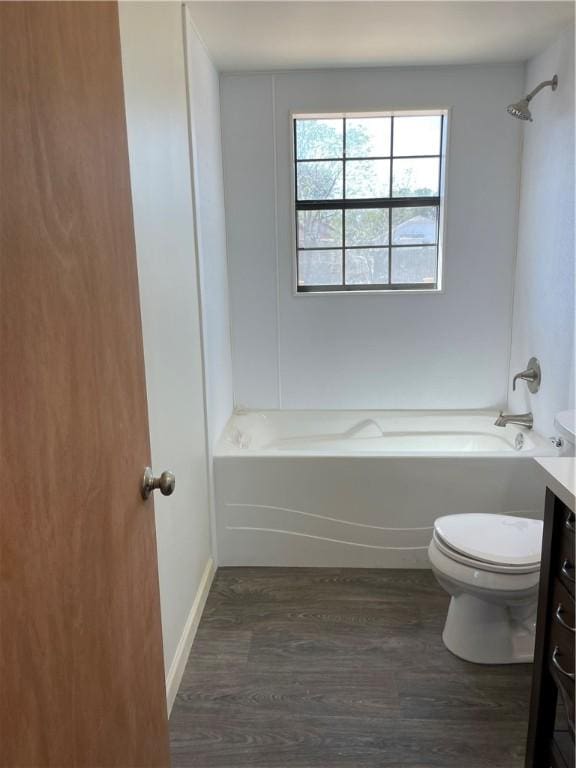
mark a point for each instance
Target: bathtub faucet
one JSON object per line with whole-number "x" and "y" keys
{"x": 522, "y": 419}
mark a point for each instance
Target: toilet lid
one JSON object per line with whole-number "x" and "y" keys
{"x": 498, "y": 539}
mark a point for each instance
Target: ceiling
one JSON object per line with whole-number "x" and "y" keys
{"x": 309, "y": 35}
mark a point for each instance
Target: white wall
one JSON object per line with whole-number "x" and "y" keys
{"x": 158, "y": 140}
{"x": 204, "y": 92}
{"x": 544, "y": 295}
{"x": 449, "y": 350}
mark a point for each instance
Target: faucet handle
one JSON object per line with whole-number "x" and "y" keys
{"x": 528, "y": 375}
{"x": 532, "y": 374}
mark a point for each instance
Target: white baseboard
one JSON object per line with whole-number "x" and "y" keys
{"x": 174, "y": 677}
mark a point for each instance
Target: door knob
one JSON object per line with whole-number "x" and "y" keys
{"x": 165, "y": 483}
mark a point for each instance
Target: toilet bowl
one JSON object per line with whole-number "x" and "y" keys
{"x": 490, "y": 566}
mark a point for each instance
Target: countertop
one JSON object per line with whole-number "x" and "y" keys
{"x": 560, "y": 477}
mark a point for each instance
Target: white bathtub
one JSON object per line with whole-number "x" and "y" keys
{"x": 363, "y": 488}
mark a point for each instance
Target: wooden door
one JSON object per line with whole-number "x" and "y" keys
{"x": 81, "y": 677}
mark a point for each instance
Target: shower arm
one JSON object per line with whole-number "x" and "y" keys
{"x": 544, "y": 84}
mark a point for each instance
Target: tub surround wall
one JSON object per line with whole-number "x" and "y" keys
{"x": 544, "y": 295}
{"x": 208, "y": 190}
{"x": 205, "y": 131}
{"x": 449, "y": 350}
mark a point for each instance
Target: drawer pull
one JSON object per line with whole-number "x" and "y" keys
{"x": 569, "y": 675}
{"x": 570, "y": 520}
{"x": 560, "y": 620}
{"x": 567, "y": 570}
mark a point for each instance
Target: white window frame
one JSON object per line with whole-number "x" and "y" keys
{"x": 439, "y": 287}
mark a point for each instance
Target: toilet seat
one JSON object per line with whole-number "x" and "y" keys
{"x": 470, "y": 576}
{"x": 471, "y": 562}
{"x": 497, "y": 543}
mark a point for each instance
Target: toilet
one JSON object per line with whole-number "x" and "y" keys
{"x": 490, "y": 565}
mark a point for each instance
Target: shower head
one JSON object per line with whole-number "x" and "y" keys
{"x": 521, "y": 110}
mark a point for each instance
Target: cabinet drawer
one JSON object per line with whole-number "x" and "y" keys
{"x": 561, "y": 753}
{"x": 565, "y": 563}
{"x": 569, "y": 520}
{"x": 562, "y": 611}
{"x": 560, "y": 657}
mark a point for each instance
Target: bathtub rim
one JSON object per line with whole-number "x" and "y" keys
{"x": 224, "y": 450}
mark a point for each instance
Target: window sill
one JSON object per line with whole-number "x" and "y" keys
{"x": 400, "y": 292}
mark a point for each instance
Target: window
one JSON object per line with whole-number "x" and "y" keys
{"x": 368, "y": 201}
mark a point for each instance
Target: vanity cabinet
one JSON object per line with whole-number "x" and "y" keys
{"x": 551, "y": 726}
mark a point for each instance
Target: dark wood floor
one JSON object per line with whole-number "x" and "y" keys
{"x": 340, "y": 668}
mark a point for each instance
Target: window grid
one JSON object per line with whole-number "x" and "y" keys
{"x": 385, "y": 203}
{"x": 391, "y": 189}
{"x": 343, "y": 215}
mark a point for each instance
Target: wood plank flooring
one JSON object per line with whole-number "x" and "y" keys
{"x": 340, "y": 668}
